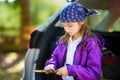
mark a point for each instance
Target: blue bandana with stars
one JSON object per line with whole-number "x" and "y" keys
{"x": 75, "y": 12}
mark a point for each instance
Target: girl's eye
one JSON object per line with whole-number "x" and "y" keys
{"x": 69, "y": 26}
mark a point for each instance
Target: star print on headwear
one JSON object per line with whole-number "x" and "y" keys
{"x": 75, "y": 12}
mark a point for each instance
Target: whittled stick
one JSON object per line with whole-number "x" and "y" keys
{"x": 46, "y": 71}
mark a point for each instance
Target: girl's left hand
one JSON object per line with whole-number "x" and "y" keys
{"x": 62, "y": 71}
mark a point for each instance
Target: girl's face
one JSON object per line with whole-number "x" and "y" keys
{"x": 73, "y": 28}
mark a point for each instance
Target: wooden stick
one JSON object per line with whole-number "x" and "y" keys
{"x": 40, "y": 71}
{"x": 46, "y": 71}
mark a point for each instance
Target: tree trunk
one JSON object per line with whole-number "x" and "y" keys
{"x": 26, "y": 23}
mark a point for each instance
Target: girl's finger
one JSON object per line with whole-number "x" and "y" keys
{"x": 59, "y": 72}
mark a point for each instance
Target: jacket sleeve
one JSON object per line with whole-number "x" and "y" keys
{"x": 92, "y": 70}
{"x": 53, "y": 59}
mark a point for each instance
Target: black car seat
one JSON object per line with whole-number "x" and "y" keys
{"x": 111, "y": 55}
{"x": 35, "y": 40}
{"x": 48, "y": 44}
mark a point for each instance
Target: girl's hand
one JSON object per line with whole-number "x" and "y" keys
{"x": 62, "y": 71}
{"x": 49, "y": 68}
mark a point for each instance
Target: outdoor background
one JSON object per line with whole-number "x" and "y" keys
{"x": 18, "y": 18}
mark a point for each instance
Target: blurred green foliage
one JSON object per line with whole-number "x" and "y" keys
{"x": 9, "y": 19}
{"x": 10, "y": 76}
{"x": 40, "y": 11}
{"x": 10, "y": 14}
{"x": 116, "y": 25}
{"x": 94, "y": 20}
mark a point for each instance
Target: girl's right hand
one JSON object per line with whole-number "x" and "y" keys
{"x": 49, "y": 68}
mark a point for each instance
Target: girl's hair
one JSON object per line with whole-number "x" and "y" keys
{"x": 85, "y": 31}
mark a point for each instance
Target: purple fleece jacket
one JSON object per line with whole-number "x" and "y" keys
{"x": 86, "y": 63}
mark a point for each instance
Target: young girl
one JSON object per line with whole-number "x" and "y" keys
{"x": 78, "y": 54}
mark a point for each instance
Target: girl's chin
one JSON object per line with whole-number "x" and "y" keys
{"x": 70, "y": 34}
